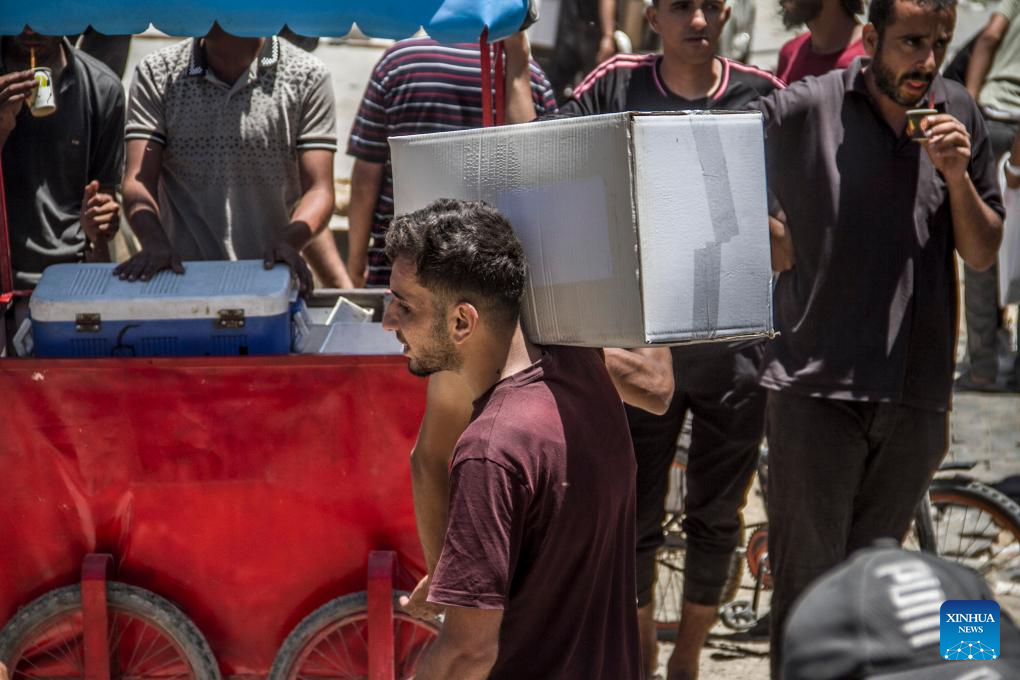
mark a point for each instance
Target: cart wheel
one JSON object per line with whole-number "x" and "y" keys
{"x": 332, "y": 642}
{"x": 148, "y": 638}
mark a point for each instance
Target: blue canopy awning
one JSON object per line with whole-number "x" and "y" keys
{"x": 444, "y": 20}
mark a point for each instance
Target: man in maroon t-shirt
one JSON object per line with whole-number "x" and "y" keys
{"x": 832, "y": 41}
{"x": 536, "y": 573}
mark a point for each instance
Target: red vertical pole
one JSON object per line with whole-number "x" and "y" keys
{"x": 95, "y": 624}
{"x": 500, "y": 113}
{"x": 6, "y": 269}
{"x": 483, "y": 50}
{"x": 382, "y": 568}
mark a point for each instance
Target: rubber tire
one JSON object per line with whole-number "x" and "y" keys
{"x": 969, "y": 493}
{"x": 140, "y": 602}
{"x": 339, "y": 608}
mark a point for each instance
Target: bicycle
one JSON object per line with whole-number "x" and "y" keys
{"x": 960, "y": 519}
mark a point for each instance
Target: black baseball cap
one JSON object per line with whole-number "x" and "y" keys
{"x": 878, "y": 617}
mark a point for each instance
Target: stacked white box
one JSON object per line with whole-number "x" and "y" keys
{"x": 639, "y": 228}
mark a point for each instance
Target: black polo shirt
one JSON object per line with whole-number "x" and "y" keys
{"x": 48, "y": 161}
{"x": 632, "y": 82}
{"x": 869, "y": 312}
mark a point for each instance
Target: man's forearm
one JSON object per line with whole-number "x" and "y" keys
{"x": 980, "y": 63}
{"x": 643, "y": 378}
{"x": 430, "y": 484}
{"x": 520, "y": 104}
{"x": 441, "y": 663}
{"x": 310, "y": 217}
{"x": 985, "y": 47}
{"x": 977, "y": 229}
{"x": 607, "y": 17}
{"x": 142, "y": 212}
{"x": 364, "y": 197}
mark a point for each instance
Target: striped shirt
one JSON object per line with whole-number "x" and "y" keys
{"x": 632, "y": 82}
{"x": 418, "y": 87}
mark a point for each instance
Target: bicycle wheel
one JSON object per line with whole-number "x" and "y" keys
{"x": 332, "y": 642}
{"x": 148, "y": 638}
{"x": 669, "y": 578}
{"x": 979, "y": 527}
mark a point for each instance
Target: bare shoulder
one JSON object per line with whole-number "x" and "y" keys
{"x": 448, "y": 407}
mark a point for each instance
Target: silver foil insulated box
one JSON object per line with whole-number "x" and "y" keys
{"x": 639, "y": 228}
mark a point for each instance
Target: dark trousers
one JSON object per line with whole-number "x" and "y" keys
{"x": 841, "y": 474}
{"x": 727, "y": 428}
{"x": 982, "y": 310}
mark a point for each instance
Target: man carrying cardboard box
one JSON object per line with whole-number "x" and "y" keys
{"x": 717, "y": 383}
{"x": 861, "y": 374}
{"x": 536, "y": 573}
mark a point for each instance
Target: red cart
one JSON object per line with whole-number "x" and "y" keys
{"x": 172, "y": 518}
{"x": 209, "y": 517}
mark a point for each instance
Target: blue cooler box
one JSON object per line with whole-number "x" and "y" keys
{"x": 213, "y": 309}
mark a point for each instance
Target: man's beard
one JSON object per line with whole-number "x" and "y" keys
{"x": 887, "y": 82}
{"x": 441, "y": 356}
{"x": 801, "y": 12}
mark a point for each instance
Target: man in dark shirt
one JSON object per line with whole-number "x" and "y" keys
{"x": 60, "y": 171}
{"x": 861, "y": 373}
{"x": 716, "y": 383}
{"x": 536, "y": 572}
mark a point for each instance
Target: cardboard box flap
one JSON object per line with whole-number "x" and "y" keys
{"x": 703, "y": 226}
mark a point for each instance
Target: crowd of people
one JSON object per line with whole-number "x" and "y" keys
{"x": 539, "y": 498}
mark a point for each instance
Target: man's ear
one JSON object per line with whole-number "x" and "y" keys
{"x": 870, "y": 37}
{"x": 463, "y": 322}
{"x": 652, "y": 15}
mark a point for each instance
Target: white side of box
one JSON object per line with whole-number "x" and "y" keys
{"x": 566, "y": 187}
{"x": 703, "y": 227}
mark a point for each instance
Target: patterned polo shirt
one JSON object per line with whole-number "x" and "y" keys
{"x": 230, "y": 178}
{"x": 417, "y": 87}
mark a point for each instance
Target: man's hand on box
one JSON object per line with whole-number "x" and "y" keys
{"x": 417, "y": 604}
{"x": 281, "y": 251}
{"x": 100, "y": 213}
{"x": 782, "y": 245}
{"x": 149, "y": 262}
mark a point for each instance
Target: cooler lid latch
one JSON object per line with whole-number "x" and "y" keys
{"x": 87, "y": 323}
{"x": 230, "y": 318}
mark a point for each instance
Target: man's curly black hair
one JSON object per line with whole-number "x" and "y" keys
{"x": 463, "y": 250}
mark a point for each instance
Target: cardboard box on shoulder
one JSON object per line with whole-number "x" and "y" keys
{"x": 639, "y": 228}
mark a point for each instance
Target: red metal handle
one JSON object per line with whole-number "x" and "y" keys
{"x": 94, "y": 571}
{"x": 500, "y": 113}
{"x": 382, "y": 568}
{"x": 483, "y": 52}
{"x": 6, "y": 270}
